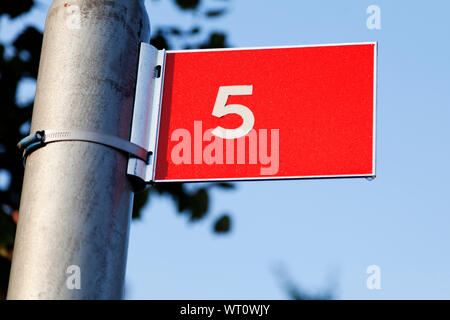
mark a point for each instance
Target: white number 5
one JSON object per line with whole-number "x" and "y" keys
{"x": 222, "y": 109}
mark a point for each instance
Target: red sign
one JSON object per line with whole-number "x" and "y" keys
{"x": 268, "y": 113}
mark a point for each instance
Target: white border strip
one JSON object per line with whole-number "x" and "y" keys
{"x": 375, "y": 84}
{"x": 156, "y": 111}
{"x": 260, "y": 178}
{"x": 273, "y": 47}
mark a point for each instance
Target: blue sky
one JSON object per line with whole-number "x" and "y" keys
{"x": 323, "y": 231}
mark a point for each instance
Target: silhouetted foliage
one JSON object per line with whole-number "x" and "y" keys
{"x": 193, "y": 203}
{"x": 15, "y": 8}
{"x": 21, "y": 61}
{"x": 293, "y": 290}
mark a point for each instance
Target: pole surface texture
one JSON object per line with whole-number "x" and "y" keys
{"x": 75, "y": 210}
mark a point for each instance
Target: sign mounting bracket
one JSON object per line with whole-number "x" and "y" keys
{"x": 146, "y": 113}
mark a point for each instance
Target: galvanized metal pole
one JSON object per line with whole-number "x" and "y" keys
{"x": 76, "y": 200}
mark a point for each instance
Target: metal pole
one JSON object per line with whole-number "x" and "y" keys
{"x": 76, "y": 199}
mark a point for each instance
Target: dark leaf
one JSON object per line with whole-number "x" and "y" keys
{"x": 199, "y": 204}
{"x": 140, "y": 199}
{"x": 15, "y": 8}
{"x": 30, "y": 41}
{"x": 159, "y": 41}
{"x": 195, "y": 30}
{"x": 8, "y": 229}
{"x": 216, "y": 40}
{"x": 215, "y": 13}
{"x": 225, "y": 185}
{"x": 5, "y": 267}
{"x": 223, "y": 224}
{"x": 175, "y": 31}
{"x": 187, "y": 4}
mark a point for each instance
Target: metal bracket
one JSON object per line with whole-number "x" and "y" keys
{"x": 143, "y": 144}
{"x": 147, "y": 105}
{"x": 41, "y": 138}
